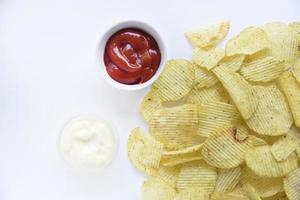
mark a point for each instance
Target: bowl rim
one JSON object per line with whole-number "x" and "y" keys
{"x": 130, "y": 24}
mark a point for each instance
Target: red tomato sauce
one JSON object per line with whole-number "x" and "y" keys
{"x": 131, "y": 56}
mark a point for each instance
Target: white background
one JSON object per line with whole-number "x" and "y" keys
{"x": 49, "y": 74}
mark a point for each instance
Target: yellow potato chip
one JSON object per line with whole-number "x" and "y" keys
{"x": 156, "y": 189}
{"x": 296, "y": 70}
{"x": 284, "y": 42}
{"x": 283, "y": 147}
{"x": 226, "y": 148}
{"x": 272, "y": 116}
{"x": 176, "y": 80}
{"x": 265, "y": 187}
{"x": 176, "y": 127}
{"x": 215, "y": 93}
{"x": 291, "y": 89}
{"x": 232, "y": 63}
{"x": 150, "y": 104}
{"x": 240, "y": 91}
{"x": 204, "y": 78}
{"x": 260, "y": 160}
{"x": 279, "y": 196}
{"x": 214, "y": 115}
{"x": 208, "y": 58}
{"x": 197, "y": 174}
{"x": 192, "y": 193}
{"x": 249, "y": 41}
{"x": 144, "y": 151}
{"x": 228, "y": 196}
{"x": 227, "y": 179}
{"x": 251, "y": 193}
{"x": 168, "y": 175}
{"x": 292, "y": 184}
{"x": 208, "y": 36}
{"x": 256, "y": 141}
{"x": 295, "y": 133}
{"x": 262, "y": 70}
{"x": 172, "y": 158}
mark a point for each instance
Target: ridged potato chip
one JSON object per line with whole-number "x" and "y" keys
{"x": 292, "y": 185}
{"x": 228, "y": 196}
{"x": 260, "y": 160}
{"x": 256, "y": 141}
{"x": 176, "y": 127}
{"x": 168, "y": 175}
{"x": 279, "y": 196}
{"x": 240, "y": 91}
{"x": 208, "y": 36}
{"x": 262, "y": 70}
{"x": 197, "y": 174}
{"x": 296, "y": 70}
{"x": 156, "y": 189}
{"x": 215, "y": 93}
{"x": 283, "y": 147}
{"x": 214, "y": 115}
{"x": 204, "y": 78}
{"x": 144, "y": 151}
{"x": 172, "y": 158}
{"x": 176, "y": 80}
{"x": 192, "y": 193}
{"x": 251, "y": 193}
{"x": 227, "y": 179}
{"x": 249, "y": 41}
{"x": 265, "y": 187}
{"x": 232, "y": 63}
{"x": 284, "y": 42}
{"x": 272, "y": 116}
{"x": 295, "y": 133}
{"x": 226, "y": 148}
{"x": 291, "y": 89}
{"x": 208, "y": 58}
{"x": 150, "y": 104}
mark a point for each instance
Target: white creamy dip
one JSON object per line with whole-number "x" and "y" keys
{"x": 88, "y": 142}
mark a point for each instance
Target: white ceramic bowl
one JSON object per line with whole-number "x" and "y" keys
{"x": 130, "y": 24}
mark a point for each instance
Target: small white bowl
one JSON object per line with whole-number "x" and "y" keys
{"x": 130, "y": 24}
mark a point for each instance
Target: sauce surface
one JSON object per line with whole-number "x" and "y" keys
{"x": 131, "y": 56}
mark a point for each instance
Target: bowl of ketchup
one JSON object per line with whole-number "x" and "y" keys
{"x": 131, "y": 55}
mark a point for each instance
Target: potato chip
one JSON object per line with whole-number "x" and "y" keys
{"x": 291, "y": 89}
{"x": 192, "y": 193}
{"x": 176, "y": 80}
{"x": 176, "y": 127}
{"x": 197, "y": 174}
{"x": 227, "y": 179}
{"x": 265, "y": 187}
{"x": 240, "y": 91}
{"x": 232, "y": 63}
{"x": 256, "y": 141}
{"x": 215, "y": 93}
{"x": 226, "y": 148}
{"x": 295, "y": 133}
{"x": 208, "y": 58}
{"x": 260, "y": 160}
{"x": 295, "y": 26}
{"x": 249, "y": 41}
{"x": 172, "y": 158}
{"x": 214, "y": 115}
{"x": 150, "y": 104}
{"x": 208, "y": 36}
{"x": 283, "y": 147}
{"x": 284, "y": 42}
{"x": 168, "y": 175}
{"x": 228, "y": 196}
{"x": 156, "y": 189}
{"x": 251, "y": 193}
{"x": 292, "y": 185}
{"x": 204, "y": 78}
{"x": 262, "y": 70}
{"x": 144, "y": 151}
{"x": 296, "y": 70}
{"x": 272, "y": 116}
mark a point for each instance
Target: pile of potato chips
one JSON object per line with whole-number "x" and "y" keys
{"x": 225, "y": 126}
